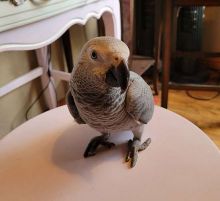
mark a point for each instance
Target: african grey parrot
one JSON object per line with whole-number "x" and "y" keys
{"x": 104, "y": 94}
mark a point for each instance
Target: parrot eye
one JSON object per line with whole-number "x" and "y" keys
{"x": 94, "y": 55}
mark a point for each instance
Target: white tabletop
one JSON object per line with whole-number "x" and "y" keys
{"x": 43, "y": 160}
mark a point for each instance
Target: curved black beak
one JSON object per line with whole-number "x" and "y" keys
{"x": 118, "y": 76}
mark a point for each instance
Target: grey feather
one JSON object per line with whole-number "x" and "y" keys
{"x": 108, "y": 109}
{"x": 139, "y": 99}
{"x": 73, "y": 109}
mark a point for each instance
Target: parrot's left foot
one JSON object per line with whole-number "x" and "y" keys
{"x": 95, "y": 142}
{"x": 134, "y": 147}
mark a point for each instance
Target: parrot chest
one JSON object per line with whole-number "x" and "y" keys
{"x": 105, "y": 113}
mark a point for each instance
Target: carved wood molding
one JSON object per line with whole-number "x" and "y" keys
{"x": 15, "y": 2}
{"x": 34, "y": 10}
{"x": 44, "y": 32}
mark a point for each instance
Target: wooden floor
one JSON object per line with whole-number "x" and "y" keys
{"x": 205, "y": 114}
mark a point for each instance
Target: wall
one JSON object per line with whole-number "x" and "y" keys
{"x": 14, "y": 105}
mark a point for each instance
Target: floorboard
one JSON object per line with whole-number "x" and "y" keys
{"x": 204, "y": 114}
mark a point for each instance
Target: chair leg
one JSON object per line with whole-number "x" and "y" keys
{"x": 155, "y": 79}
{"x": 43, "y": 58}
{"x": 166, "y": 52}
{"x": 157, "y": 42}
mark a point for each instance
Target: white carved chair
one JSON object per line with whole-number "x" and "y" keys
{"x": 39, "y": 33}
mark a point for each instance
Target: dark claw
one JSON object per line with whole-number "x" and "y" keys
{"x": 89, "y": 153}
{"x": 92, "y": 146}
{"x": 134, "y": 156}
{"x": 128, "y": 156}
{"x": 94, "y": 143}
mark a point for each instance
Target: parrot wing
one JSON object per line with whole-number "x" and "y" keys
{"x": 73, "y": 109}
{"x": 139, "y": 99}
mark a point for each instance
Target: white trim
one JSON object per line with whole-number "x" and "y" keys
{"x": 30, "y": 12}
{"x": 20, "y": 81}
{"x": 111, "y": 7}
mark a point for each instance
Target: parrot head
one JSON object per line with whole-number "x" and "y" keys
{"x": 103, "y": 64}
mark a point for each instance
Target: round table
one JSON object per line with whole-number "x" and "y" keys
{"x": 43, "y": 160}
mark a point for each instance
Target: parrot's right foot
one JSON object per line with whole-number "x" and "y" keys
{"x": 95, "y": 142}
{"x": 134, "y": 147}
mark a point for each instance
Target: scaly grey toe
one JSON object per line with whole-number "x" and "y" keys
{"x": 134, "y": 155}
{"x": 134, "y": 147}
{"x": 145, "y": 144}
